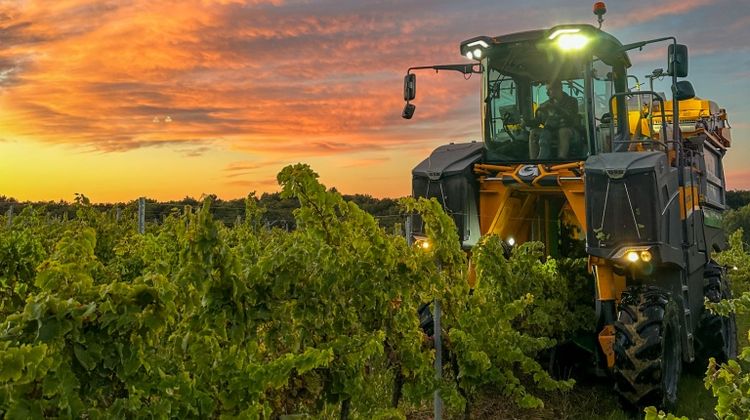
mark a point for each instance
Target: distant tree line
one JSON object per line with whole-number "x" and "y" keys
{"x": 738, "y": 198}
{"x": 739, "y": 215}
{"x": 278, "y": 211}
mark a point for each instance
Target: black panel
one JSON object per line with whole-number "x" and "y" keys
{"x": 623, "y": 211}
{"x": 453, "y": 192}
{"x": 448, "y": 176}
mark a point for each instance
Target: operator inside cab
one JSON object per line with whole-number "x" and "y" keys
{"x": 547, "y": 94}
{"x": 556, "y": 121}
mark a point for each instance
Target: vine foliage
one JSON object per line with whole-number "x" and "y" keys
{"x": 198, "y": 319}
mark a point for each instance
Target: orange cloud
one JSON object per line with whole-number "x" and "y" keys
{"x": 243, "y": 75}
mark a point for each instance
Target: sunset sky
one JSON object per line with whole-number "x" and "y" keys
{"x": 167, "y": 99}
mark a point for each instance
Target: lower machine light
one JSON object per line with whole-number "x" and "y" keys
{"x": 632, "y": 256}
{"x": 646, "y": 256}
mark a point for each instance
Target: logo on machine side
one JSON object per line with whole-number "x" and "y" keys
{"x": 615, "y": 173}
{"x": 528, "y": 172}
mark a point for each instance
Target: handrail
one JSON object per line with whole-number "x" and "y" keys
{"x": 639, "y": 93}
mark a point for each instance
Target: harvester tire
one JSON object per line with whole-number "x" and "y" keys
{"x": 716, "y": 335}
{"x": 648, "y": 350}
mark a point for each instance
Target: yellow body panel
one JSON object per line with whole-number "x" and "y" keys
{"x": 607, "y": 342}
{"x": 609, "y": 286}
{"x": 515, "y": 204}
{"x": 689, "y": 201}
{"x": 574, "y": 193}
{"x": 698, "y": 116}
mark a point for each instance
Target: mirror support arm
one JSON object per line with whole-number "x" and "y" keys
{"x": 461, "y": 68}
{"x": 641, "y": 44}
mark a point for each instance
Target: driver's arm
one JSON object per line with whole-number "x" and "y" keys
{"x": 541, "y": 114}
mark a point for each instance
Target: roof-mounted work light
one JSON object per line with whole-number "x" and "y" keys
{"x": 572, "y": 42}
{"x": 475, "y": 49}
{"x": 569, "y": 39}
{"x": 476, "y": 52}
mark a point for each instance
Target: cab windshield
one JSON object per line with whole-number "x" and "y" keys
{"x": 532, "y": 117}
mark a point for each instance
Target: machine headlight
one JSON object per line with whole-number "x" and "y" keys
{"x": 423, "y": 243}
{"x": 636, "y": 254}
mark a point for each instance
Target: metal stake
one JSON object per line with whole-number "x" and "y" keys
{"x": 141, "y": 215}
{"x": 437, "y": 401}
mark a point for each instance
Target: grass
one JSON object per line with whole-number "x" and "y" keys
{"x": 590, "y": 399}
{"x": 598, "y": 400}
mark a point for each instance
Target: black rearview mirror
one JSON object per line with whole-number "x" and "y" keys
{"x": 683, "y": 91}
{"x": 410, "y": 87}
{"x": 677, "y": 56}
{"x": 408, "y": 111}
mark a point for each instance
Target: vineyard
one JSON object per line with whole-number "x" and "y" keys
{"x": 197, "y": 319}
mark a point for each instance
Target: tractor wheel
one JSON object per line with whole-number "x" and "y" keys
{"x": 716, "y": 335}
{"x": 648, "y": 350}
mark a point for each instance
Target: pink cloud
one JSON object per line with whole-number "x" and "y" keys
{"x": 738, "y": 179}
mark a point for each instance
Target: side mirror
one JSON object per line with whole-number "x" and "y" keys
{"x": 677, "y": 57}
{"x": 410, "y": 87}
{"x": 683, "y": 90}
{"x": 408, "y": 111}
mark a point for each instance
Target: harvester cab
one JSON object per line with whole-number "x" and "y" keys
{"x": 570, "y": 151}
